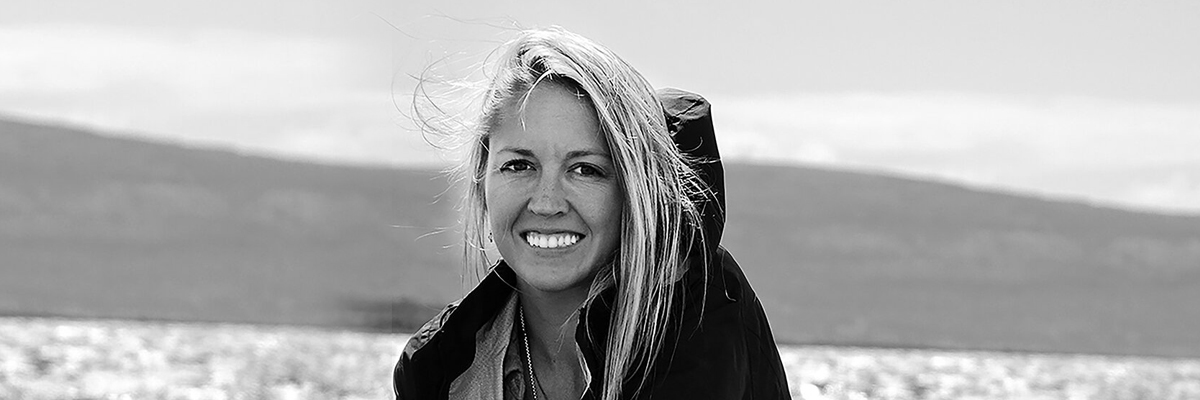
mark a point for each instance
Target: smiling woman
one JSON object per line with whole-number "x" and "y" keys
{"x": 605, "y": 201}
{"x": 553, "y": 200}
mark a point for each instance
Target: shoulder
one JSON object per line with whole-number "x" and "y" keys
{"x": 422, "y": 336}
{"x": 445, "y": 345}
{"x": 765, "y": 376}
{"x": 724, "y": 347}
{"x": 751, "y": 316}
{"x": 406, "y": 375}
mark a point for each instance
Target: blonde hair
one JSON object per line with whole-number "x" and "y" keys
{"x": 660, "y": 220}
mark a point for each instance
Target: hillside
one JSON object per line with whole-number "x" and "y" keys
{"x": 112, "y": 227}
{"x": 851, "y": 258}
{"x": 101, "y": 226}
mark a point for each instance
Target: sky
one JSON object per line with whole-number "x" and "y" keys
{"x": 1089, "y": 101}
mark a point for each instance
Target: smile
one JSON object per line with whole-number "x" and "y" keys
{"x": 552, "y": 241}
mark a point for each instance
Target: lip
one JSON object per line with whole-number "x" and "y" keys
{"x": 551, "y": 232}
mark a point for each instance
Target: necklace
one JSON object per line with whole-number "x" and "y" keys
{"x": 528, "y": 358}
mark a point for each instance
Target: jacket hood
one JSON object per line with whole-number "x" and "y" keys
{"x": 689, "y": 119}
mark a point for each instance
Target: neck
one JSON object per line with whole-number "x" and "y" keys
{"x": 551, "y": 318}
{"x": 550, "y": 323}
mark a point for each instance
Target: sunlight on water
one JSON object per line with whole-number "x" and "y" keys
{"x": 61, "y": 359}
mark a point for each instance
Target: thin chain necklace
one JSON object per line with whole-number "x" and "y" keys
{"x": 528, "y": 358}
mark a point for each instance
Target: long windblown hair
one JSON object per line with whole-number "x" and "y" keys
{"x": 660, "y": 216}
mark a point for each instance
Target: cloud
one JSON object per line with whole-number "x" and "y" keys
{"x": 1114, "y": 152}
{"x": 233, "y": 65}
{"x": 1179, "y": 191}
{"x": 284, "y": 94}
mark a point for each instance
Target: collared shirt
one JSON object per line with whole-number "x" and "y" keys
{"x": 495, "y": 371}
{"x": 498, "y": 370}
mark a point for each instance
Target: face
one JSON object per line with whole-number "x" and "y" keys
{"x": 552, "y": 196}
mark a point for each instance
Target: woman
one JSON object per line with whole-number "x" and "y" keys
{"x": 611, "y": 283}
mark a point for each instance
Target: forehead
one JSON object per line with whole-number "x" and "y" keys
{"x": 553, "y": 117}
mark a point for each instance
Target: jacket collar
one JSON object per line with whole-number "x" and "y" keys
{"x": 485, "y": 302}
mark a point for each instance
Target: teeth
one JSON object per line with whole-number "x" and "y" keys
{"x": 551, "y": 241}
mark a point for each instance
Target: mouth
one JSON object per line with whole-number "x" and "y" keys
{"x": 557, "y": 240}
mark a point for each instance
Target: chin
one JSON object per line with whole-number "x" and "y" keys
{"x": 547, "y": 281}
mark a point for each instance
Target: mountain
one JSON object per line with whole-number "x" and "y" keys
{"x": 103, "y": 226}
{"x": 848, "y": 258}
{"x": 96, "y": 225}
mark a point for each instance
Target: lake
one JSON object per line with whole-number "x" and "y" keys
{"x": 108, "y": 359}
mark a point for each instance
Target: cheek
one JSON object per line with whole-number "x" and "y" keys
{"x": 496, "y": 200}
{"x": 609, "y": 213}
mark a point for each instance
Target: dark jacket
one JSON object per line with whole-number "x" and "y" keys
{"x": 721, "y": 347}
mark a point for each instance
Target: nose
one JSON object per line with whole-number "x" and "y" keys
{"x": 548, "y": 199}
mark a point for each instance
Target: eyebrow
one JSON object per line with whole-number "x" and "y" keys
{"x": 570, "y": 154}
{"x": 519, "y": 151}
{"x": 584, "y": 153}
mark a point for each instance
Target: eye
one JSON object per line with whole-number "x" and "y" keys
{"x": 516, "y": 166}
{"x": 588, "y": 170}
